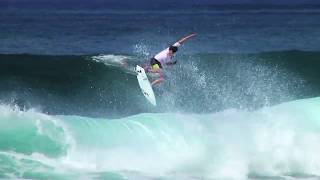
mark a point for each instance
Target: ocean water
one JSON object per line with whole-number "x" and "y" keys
{"x": 242, "y": 102}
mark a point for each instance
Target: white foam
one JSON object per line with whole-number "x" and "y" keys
{"x": 111, "y": 59}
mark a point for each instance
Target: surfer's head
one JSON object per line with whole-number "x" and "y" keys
{"x": 174, "y": 49}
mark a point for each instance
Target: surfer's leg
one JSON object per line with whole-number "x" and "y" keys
{"x": 156, "y": 67}
{"x": 157, "y": 81}
{"x": 160, "y": 79}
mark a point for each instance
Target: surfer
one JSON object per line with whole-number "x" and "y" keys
{"x": 165, "y": 57}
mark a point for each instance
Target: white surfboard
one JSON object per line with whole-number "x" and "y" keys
{"x": 145, "y": 85}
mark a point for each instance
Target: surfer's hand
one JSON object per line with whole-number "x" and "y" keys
{"x": 171, "y": 63}
{"x": 193, "y": 34}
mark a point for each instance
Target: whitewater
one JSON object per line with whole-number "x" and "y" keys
{"x": 273, "y": 142}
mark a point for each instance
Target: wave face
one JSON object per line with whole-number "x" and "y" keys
{"x": 201, "y": 83}
{"x": 274, "y": 142}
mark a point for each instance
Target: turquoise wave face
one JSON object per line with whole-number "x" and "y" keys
{"x": 30, "y": 132}
{"x": 283, "y": 140}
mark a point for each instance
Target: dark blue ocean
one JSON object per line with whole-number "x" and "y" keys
{"x": 242, "y": 102}
{"x": 221, "y": 30}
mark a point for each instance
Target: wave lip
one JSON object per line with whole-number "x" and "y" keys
{"x": 31, "y": 132}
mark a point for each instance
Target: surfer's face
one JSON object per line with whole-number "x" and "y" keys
{"x": 170, "y": 53}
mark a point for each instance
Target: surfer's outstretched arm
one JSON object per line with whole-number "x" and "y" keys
{"x": 183, "y": 40}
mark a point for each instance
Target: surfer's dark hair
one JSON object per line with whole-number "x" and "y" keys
{"x": 173, "y": 48}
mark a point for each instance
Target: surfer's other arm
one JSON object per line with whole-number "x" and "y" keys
{"x": 171, "y": 62}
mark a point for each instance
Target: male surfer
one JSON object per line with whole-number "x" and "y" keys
{"x": 165, "y": 57}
